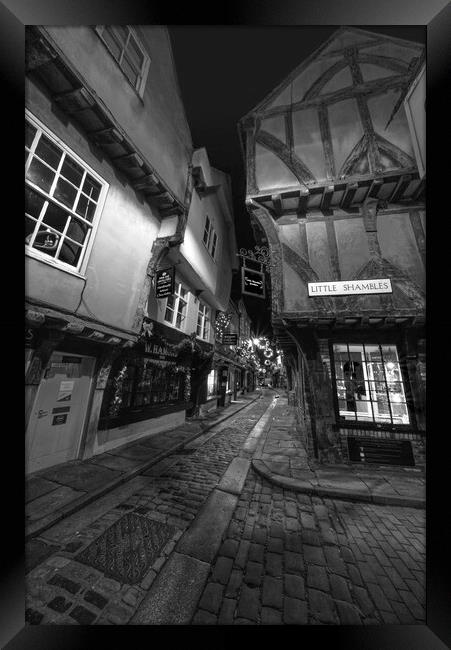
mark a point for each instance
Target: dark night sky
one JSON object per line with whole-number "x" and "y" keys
{"x": 224, "y": 71}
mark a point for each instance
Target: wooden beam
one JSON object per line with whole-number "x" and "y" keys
{"x": 327, "y": 198}
{"x": 75, "y": 100}
{"x": 147, "y": 184}
{"x": 374, "y": 188}
{"x": 107, "y": 136}
{"x": 367, "y": 88}
{"x": 400, "y": 188}
{"x": 326, "y": 139}
{"x": 419, "y": 191}
{"x": 37, "y": 52}
{"x": 303, "y": 202}
{"x": 277, "y": 204}
{"x": 294, "y": 164}
{"x": 386, "y": 62}
{"x": 129, "y": 161}
{"x": 349, "y": 195}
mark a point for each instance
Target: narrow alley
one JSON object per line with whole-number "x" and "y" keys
{"x": 201, "y": 538}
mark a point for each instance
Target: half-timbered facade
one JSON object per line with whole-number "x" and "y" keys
{"x": 335, "y": 191}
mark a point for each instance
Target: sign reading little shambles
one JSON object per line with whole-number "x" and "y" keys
{"x": 348, "y": 287}
{"x": 165, "y": 283}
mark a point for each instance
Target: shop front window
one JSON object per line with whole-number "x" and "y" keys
{"x": 369, "y": 383}
{"x": 146, "y": 384}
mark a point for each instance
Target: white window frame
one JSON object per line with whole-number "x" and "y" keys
{"x": 180, "y": 301}
{"x": 371, "y": 413}
{"x": 212, "y": 380}
{"x": 140, "y": 84}
{"x": 203, "y": 321}
{"x": 80, "y": 269}
{"x": 210, "y": 238}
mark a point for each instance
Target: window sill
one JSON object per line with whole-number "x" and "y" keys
{"x": 378, "y": 426}
{"x": 50, "y": 262}
{"x": 209, "y": 254}
{"x": 138, "y": 414}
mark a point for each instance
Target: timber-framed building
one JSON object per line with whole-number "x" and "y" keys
{"x": 336, "y": 190}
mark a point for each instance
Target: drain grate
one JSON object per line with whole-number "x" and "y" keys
{"x": 127, "y": 549}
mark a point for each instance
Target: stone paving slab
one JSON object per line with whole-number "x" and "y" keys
{"x": 95, "y": 480}
{"x": 45, "y": 505}
{"x": 113, "y": 462}
{"x": 82, "y": 476}
{"x": 36, "y": 487}
{"x": 284, "y": 462}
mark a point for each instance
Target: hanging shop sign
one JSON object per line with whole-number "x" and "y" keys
{"x": 230, "y": 339}
{"x": 252, "y": 282}
{"x": 345, "y": 288}
{"x": 165, "y": 282}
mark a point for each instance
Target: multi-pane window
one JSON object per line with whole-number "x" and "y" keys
{"x": 210, "y": 238}
{"x": 203, "y": 321}
{"x": 62, "y": 197}
{"x": 369, "y": 383}
{"x": 176, "y": 306}
{"x": 123, "y": 44}
{"x": 146, "y": 384}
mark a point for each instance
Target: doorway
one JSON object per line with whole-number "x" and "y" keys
{"x": 56, "y": 424}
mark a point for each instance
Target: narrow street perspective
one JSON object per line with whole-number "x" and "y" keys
{"x": 201, "y": 538}
{"x": 225, "y": 345}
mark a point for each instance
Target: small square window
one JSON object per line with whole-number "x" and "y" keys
{"x": 125, "y": 47}
{"x": 210, "y": 237}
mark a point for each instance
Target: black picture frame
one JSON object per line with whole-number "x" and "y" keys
{"x": 436, "y": 17}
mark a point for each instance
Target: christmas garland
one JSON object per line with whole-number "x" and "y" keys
{"x": 116, "y": 402}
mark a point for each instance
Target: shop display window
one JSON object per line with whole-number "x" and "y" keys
{"x": 145, "y": 384}
{"x": 369, "y": 383}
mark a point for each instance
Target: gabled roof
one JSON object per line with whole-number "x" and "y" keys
{"x": 330, "y": 54}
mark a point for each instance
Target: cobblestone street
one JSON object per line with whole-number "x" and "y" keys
{"x": 284, "y": 557}
{"x": 293, "y": 559}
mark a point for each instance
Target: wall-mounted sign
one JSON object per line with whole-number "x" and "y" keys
{"x": 252, "y": 283}
{"x": 348, "y": 287}
{"x": 230, "y": 339}
{"x": 157, "y": 351}
{"x": 165, "y": 283}
{"x": 59, "y": 419}
{"x": 65, "y": 391}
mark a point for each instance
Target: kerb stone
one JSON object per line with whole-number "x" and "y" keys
{"x": 235, "y": 476}
{"x": 204, "y": 536}
{"x": 174, "y": 594}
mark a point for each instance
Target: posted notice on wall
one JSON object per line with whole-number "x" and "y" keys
{"x": 349, "y": 287}
{"x": 65, "y": 391}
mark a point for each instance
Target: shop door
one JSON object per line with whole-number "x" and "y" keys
{"x": 56, "y": 423}
{"x": 222, "y": 385}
